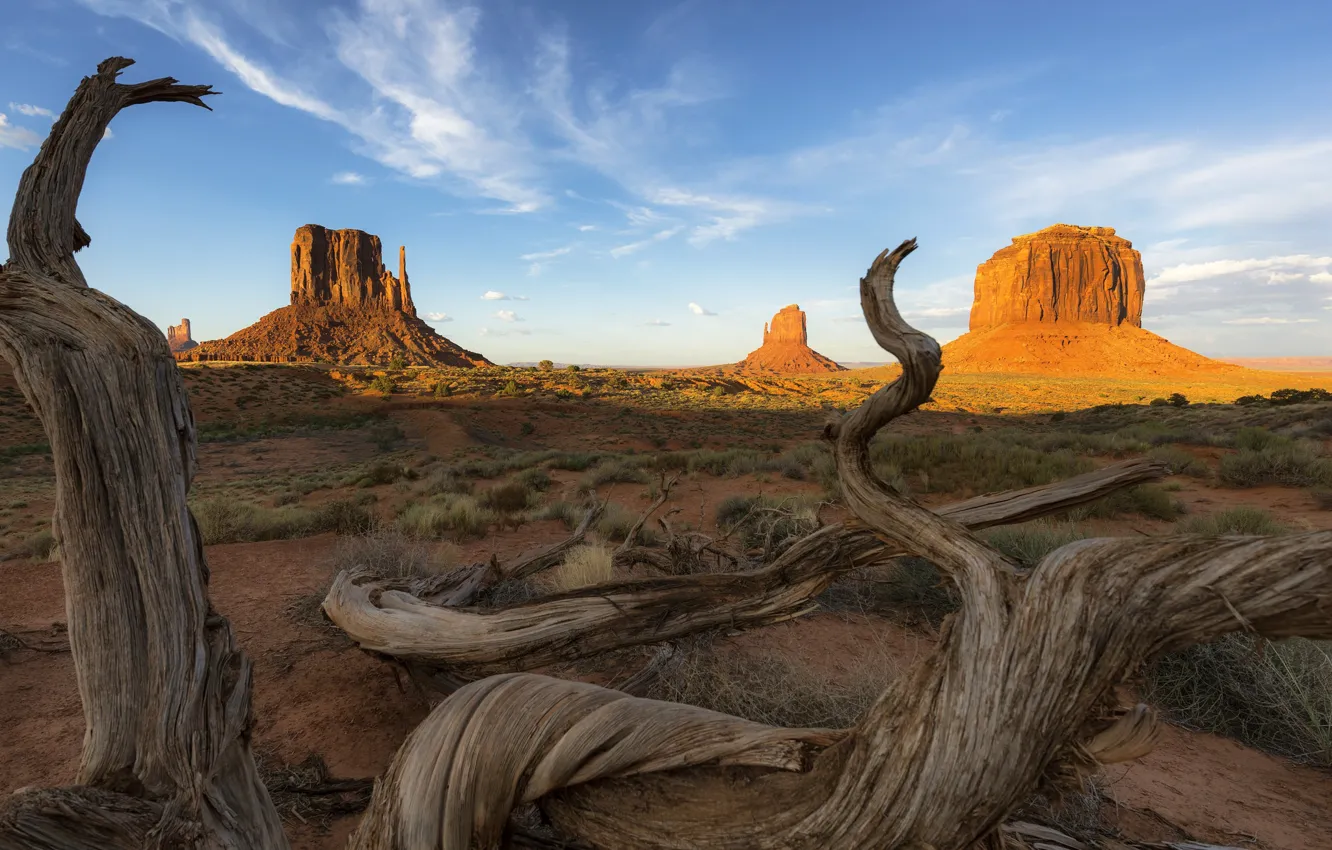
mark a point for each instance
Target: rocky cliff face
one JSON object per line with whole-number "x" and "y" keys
{"x": 345, "y": 308}
{"x": 786, "y": 348}
{"x": 1066, "y": 301}
{"x": 178, "y": 336}
{"x": 1061, "y": 274}
{"x": 346, "y": 268}
{"x": 788, "y": 326}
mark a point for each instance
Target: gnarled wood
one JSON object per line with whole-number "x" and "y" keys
{"x": 1016, "y": 695}
{"x": 382, "y": 618}
{"x": 165, "y": 691}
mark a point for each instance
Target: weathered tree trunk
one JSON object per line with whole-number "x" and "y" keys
{"x": 166, "y": 694}
{"x": 1016, "y": 695}
{"x": 428, "y": 630}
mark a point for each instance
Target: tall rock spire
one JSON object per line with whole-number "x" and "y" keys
{"x": 346, "y": 267}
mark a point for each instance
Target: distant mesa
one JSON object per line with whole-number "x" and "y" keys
{"x": 346, "y": 308}
{"x": 1067, "y": 300}
{"x": 178, "y": 336}
{"x": 786, "y": 348}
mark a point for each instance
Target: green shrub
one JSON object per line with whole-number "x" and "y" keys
{"x": 511, "y": 497}
{"x": 397, "y": 363}
{"x": 1281, "y": 461}
{"x": 383, "y": 384}
{"x": 546, "y": 365}
{"x": 769, "y": 523}
{"x": 1029, "y": 542}
{"x": 1177, "y": 400}
{"x": 615, "y": 522}
{"x": 1180, "y": 462}
{"x": 612, "y": 471}
{"x": 228, "y": 520}
{"x": 535, "y": 478}
{"x": 1242, "y": 520}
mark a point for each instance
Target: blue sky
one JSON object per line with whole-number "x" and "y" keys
{"x": 647, "y": 183}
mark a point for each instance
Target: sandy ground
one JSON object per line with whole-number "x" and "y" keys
{"x": 315, "y": 694}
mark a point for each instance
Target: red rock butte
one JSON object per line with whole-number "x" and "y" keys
{"x": 178, "y": 336}
{"x": 346, "y": 307}
{"x": 786, "y": 348}
{"x": 1067, "y": 300}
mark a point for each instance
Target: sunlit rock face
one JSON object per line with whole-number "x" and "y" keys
{"x": 786, "y": 348}
{"x": 346, "y": 267}
{"x": 1061, "y": 274}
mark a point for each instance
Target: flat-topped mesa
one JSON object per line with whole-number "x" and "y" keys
{"x": 786, "y": 348}
{"x": 787, "y": 326}
{"x": 346, "y": 268}
{"x": 1064, "y": 273}
{"x": 178, "y": 336}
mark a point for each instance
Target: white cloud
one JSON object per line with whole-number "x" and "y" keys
{"x": 107, "y": 134}
{"x": 935, "y": 313}
{"x": 348, "y": 178}
{"x": 699, "y": 311}
{"x": 633, "y": 247}
{"x": 438, "y": 317}
{"x": 587, "y": 228}
{"x": 505, "y": 332}
{"x": 659, "y": 323}
{"x": 12, "y": 136}
{"x": 1186, "y": 272}
{"x": 492, "y": 295}
{"x": 508, "y": 316}
{"x": 539, "y": 259}
{"x": 31, "y": 111}
{"x": 728, "y": 216}
{"x": 1321, "y": 277}
{"x": 1267, "y": 320}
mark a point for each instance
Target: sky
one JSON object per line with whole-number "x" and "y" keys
{"x": 646, "y": 183}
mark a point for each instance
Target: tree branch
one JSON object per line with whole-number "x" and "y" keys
{"x": 43, "y": 231}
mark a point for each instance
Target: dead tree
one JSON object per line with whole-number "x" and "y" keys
{"x": 427, "y": 629}
{"x": 1016, "y": 696}
{"x": 166, "y": 693}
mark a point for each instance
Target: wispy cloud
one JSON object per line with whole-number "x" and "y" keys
{"x": 508, "y": 316}
{"x": 1267, "y": 320}
{"x": 699, "y": 311}
{"x": 635, "y": 247}
{"x": 587, "y": 228}
{"x": 1321, "y": 277}
{"x": 505, "y": 332}
{"x": 728, "y": 216}
{"x": 658, "y": 323}
{"x": 492, "y": 295}
{"x": 31, "y": 111}
{"x": 13, "y": 136}
{"x": 438, "y": 317}
{"x": 348, "y": 178}
{"x": 539, "y": 259}
{"x": 1186, "y": 272}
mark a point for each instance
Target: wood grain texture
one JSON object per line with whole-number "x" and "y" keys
{"x": 165, "y": 690}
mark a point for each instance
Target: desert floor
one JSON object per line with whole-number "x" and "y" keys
{"x": 285, "y": 448}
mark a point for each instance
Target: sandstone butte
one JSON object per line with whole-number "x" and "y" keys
{"x": 178, "y": 336}
{"x": 786, "y": 348}
{"x": 1067, "y": 300}
{"x": 346, "y": 308}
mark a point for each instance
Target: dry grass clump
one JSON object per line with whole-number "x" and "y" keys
{"x": 1149, "y": 500}
{"x": 583, "y": 566}
{"x": 772, "y": 689}
{"x": 1273, "y": 695}
{"x": 388, "y": 553}
{"x": 615, "y": 522}
{"x": 224, "y": 519}
{"x": 910, "y": 590}
{"x": 1268, "y": 458}
{"x": 613, "y": 470}
{"x": 460, "y": 516}
{"x": 1242, "y": 520}
{"x": 766, "y": 523}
